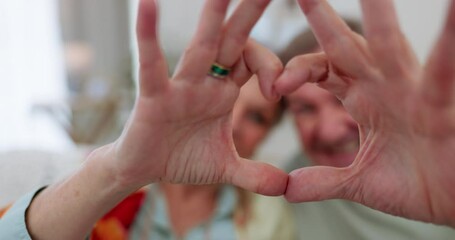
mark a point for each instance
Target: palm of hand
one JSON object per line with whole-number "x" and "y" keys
{"x": 181, "y": 127}
{"x": 186, "y": 133}
{"x": 404, "y": 166}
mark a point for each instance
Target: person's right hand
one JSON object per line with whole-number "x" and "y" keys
{"x": 406, "y": 114}
{"x": 181, "y": 129}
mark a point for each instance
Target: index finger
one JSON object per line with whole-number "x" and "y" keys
{"x": 385, "y": 40}
{"x": 343, "y": 47}
{"x": 325, "y": 22}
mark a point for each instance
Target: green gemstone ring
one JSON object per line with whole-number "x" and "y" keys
{"x": 218, "y": 71}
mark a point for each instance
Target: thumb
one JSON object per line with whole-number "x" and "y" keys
{"x": 319, "y": 183}
{"x": 257, "y": 177}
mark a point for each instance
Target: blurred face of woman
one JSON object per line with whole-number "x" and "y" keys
{"x": 253, "y": 118}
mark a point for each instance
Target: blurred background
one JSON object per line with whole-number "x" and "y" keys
{"x": 68, "y": 73}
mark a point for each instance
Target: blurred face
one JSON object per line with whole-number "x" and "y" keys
{"x": 328, "y": 133}
{"x": 253, "y": 118}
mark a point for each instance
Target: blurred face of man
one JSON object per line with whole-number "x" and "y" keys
{"x": 329, "y": 135}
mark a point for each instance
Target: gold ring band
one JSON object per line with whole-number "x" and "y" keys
{"x": 219, "y": 71}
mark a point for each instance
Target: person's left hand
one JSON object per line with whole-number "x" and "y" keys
{"x": 405, "y": 111}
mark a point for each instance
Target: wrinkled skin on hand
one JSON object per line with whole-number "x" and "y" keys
{"x": 181, "y": 127}
{"x": 405, "y": 111}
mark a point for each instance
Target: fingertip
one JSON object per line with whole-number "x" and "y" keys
{"x": 271, "y": 181}
{"x": 271, "y": 94}
{"x": 276, "y": 96}
{"x": 293, "y": 192}
{"x": 279, "y": 181}
{"x": 287, "y": 82}
{"x": 267, "y": 83}
{"x": 267, "y": 67}
{"x": 258, "y": 177}
{"x": 147, "y": 8}
{"x": 146, "y": 19}
{"x": 280, "y": 84}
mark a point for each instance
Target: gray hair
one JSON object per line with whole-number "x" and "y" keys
{"x": 306, "y": 42}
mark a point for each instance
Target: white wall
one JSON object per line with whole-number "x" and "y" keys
{"x": 31, "y": 73}
{"x": 421, "y": 21}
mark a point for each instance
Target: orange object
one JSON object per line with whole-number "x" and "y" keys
{"x": 4, "y": 210}
{"x": 116, "y": 224}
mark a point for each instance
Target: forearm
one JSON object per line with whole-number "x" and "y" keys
{"x": 70, "y": 209}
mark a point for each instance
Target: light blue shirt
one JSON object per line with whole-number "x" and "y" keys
{"x": 153, "y": 221}
{"x": 13, "y": 225}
